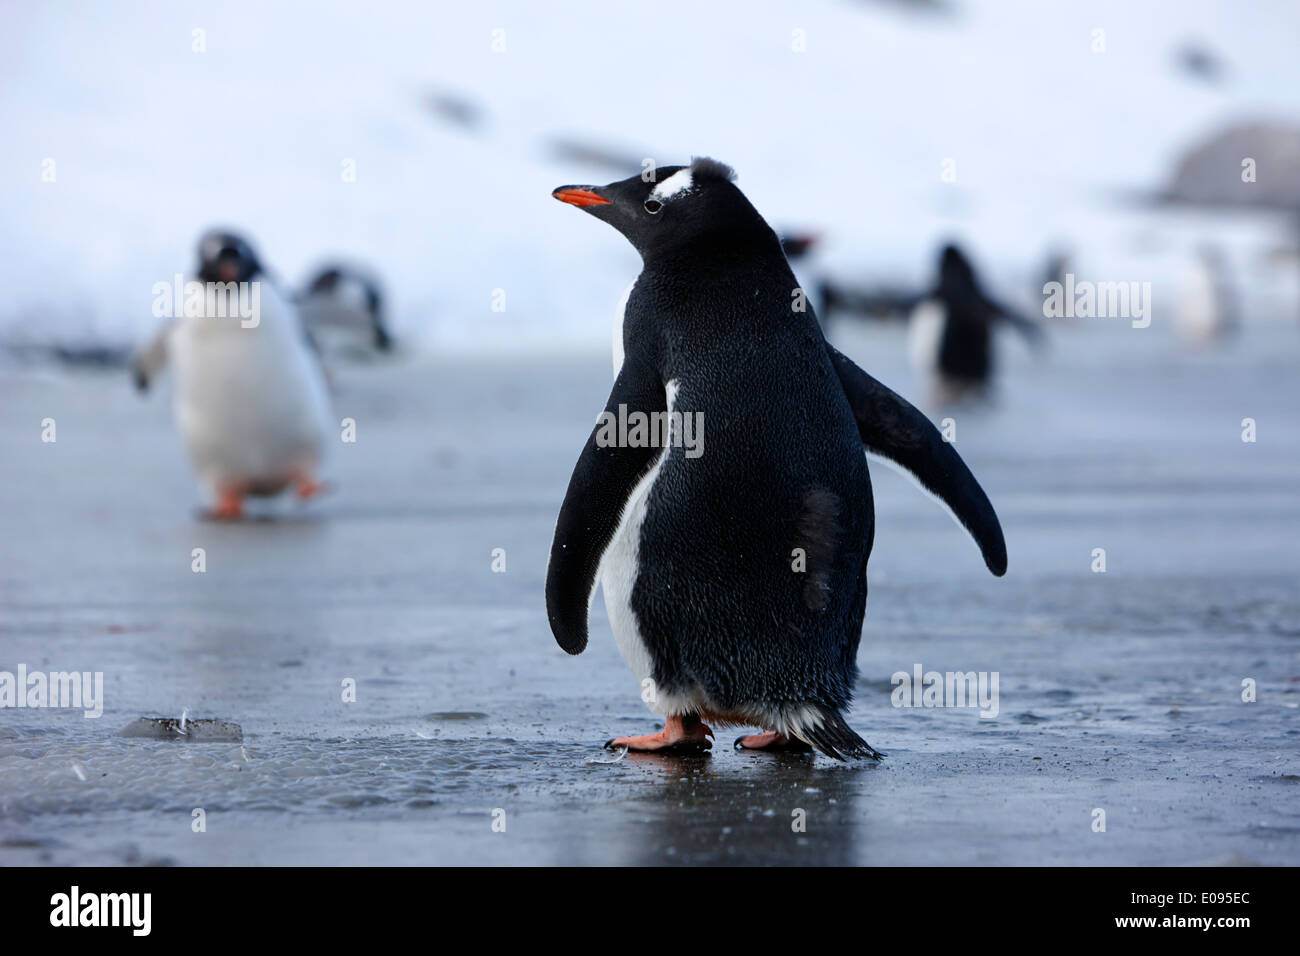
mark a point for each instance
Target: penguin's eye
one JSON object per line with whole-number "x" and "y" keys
{"x": 652, "y": 206}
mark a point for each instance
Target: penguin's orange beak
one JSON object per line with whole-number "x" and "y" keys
{"x": 580, "y": 196}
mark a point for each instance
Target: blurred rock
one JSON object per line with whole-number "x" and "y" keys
{"x": 1211, "y": 172}
{"x": 455, "y": 110}
{"x": 1199, "y": 62}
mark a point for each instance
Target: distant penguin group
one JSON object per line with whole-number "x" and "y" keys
{"x": 735, "y": 579}
{"x": 249, "y": 395}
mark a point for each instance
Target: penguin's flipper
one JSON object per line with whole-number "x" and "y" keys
{"x": 602, "y": 482}
{"x": 893, "y": 428}
{"x": 1032, "y": 331}
{"x": 383, "y": 341}
{"x": 312, "y": 343}
{"x": 147, "y": 363}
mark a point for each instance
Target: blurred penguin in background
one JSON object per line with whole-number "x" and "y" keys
{"x": 343, "y": 311}
{"x": 1056, "y": 268}
{"x": 797, "y": 245}
{"x": 951, "y": 332}
{"x": 798, "y": 248}
{"x": 834, "y": 299}
{"x": 249, "y": 395}
{"x": 1207, "y": 307}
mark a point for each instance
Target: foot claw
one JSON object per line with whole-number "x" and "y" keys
{"x": 676, "y": 737}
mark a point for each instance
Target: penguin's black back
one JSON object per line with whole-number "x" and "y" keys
{"x": 717, "y": 597}
{"x": 965, "y": 348}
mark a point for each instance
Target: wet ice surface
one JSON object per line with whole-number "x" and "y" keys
{"x": 1118, "y": 691}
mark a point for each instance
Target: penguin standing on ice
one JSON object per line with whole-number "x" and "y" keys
{"x": 951, "y": 331}
{"x": 249, "y": 398}
{"x": 1206, "y": 304}
{"x": 733, "y": 551}
{"x": 342, "y": 309}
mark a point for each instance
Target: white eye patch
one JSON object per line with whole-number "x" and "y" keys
{"x": 678, "y": 182}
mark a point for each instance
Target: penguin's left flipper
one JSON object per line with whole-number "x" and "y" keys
{"x": 893, "y": 428}
{"x": 147, "y": 363}
{"x": 602, "y": 482}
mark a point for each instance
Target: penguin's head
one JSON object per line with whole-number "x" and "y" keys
{"x": 954, "y": 267}
{"x": 226, "y": 257}
{"x": 674, "y": 207}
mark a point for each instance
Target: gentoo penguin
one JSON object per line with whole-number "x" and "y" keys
{"x": 951, "y": 331}
{"x": 732, "y": 550}
{"x": 342, "y": 308}
{"x": 249, "y": 396}
{"x": 1206, "y": 303}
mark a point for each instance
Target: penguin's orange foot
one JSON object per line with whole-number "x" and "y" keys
{"x": 307, "y": 487}
{"x": 680, "y": 734}
{"x": 772, "y": 741}
{"x": 229, "y": 506}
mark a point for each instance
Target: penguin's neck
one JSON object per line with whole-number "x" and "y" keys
{"x": 715, "y": 253}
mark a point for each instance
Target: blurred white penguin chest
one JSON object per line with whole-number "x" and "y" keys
{"x": 248, "y": 399}
{"x": 925, "y": 333}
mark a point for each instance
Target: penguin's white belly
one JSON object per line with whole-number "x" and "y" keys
{"x": 924, "y": 335}
{"x": 320, "y": 312}
{"x": 616, "y": 342}
{"x": 1199, "y": 319}
{"x": 250, "y": 404}
{"x": 337, "y": 324}
{"x": 618, "y": 574}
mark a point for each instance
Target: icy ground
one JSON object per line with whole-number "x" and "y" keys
{"x": 1118, "y": 691}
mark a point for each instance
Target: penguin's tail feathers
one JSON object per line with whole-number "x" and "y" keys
{"x": 834, "y": 737}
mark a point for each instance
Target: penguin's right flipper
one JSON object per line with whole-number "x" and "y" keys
{"x": 602, "y": 482}
{"x": 893, "y": 428}
{"x": 147, "y": 363}
{"x": 1032, "y": 331}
